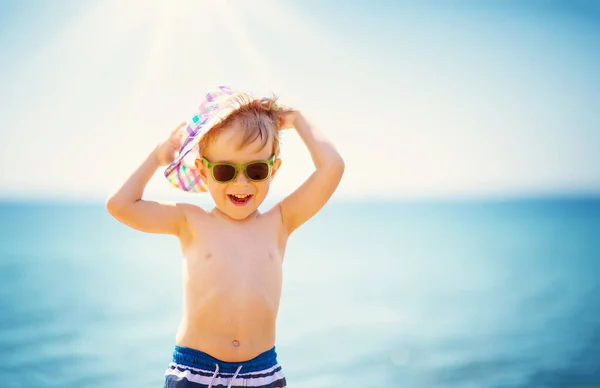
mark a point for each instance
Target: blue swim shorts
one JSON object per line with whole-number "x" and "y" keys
{"x": 192, "y": 368}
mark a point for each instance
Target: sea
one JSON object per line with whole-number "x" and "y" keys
{"x": 498, "y": 293}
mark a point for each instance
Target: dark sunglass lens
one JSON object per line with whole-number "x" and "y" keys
{"x": 258, "y": 171}
{"x": 223, "y": 172}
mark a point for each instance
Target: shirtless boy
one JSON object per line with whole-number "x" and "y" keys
{"x": 232, "y": 254}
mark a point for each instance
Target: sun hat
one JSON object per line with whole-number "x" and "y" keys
{"x": 182, "y": 172}
{"x": 216, "y": 106}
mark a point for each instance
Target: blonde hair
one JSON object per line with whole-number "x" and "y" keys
{"x": 259, "y": 119}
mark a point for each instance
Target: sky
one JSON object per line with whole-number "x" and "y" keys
{"x": 422, "y": 99}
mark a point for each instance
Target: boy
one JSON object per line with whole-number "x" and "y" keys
{"x": 233, "y": 254}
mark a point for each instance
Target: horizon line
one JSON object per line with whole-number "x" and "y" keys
{"x": 425, "y": 198}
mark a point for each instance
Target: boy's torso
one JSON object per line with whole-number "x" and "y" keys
{"x": 232, "y": 274}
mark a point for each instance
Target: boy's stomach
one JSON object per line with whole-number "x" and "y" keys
{"x": 229, "y": 320}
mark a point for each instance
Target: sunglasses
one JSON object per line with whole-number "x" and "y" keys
{"x": 256, "y": 171}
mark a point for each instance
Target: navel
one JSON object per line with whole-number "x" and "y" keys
{"x": 236, "y": 343}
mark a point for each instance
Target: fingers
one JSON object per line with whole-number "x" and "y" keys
{"x": 285, "y": 108}
{"x": 176, "y": 130}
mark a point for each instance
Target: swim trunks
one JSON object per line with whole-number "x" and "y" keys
{"x": 192, "y": 368}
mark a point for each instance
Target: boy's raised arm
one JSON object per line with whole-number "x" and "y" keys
{"x": 127, "y": 206}
{"x": 313, "y": 194}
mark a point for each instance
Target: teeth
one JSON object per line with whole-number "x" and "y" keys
{"x": 241, "y": 196}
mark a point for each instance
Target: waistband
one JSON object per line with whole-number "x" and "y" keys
{"x": 197, "y": 359}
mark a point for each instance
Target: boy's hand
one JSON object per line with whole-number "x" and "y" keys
{"x": 165, "y": 151}
{"x": 287, "y": 119}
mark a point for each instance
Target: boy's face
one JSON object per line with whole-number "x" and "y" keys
{"x": 240, "y": 197}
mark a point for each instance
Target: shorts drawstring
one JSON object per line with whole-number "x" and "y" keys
{"x": 217, "y": 371}
{"x": 234, "y": 376}
{"x": 213, "y": 376}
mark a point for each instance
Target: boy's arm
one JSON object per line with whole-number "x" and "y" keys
{"x": 313, "y": 194}
{"x": 128, "y": 207}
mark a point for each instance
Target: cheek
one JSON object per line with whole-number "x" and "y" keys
{"x": 262, "y": 187}
{"x": 216, "y": 187}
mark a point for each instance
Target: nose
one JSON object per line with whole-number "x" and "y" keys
{"x": 241, "y": 178}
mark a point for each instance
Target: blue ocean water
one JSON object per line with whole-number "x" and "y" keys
{"x": 415, "y": 294}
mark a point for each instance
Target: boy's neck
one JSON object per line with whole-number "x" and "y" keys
{"x": 218, "y": 213}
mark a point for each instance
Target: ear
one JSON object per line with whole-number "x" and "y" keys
{"x": 202, "y": 169}
{"x": 275, "y": 167}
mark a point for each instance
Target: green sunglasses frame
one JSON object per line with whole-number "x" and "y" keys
{"x": 270, "y": 162}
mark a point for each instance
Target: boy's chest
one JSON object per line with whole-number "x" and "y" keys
{"x": 240, "y": 248}
{"x": 237, "y": 246}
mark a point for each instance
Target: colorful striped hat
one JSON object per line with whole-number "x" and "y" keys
{"x": 215, "y": 107}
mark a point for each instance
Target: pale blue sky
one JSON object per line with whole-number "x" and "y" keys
{"x": 474, "y": 98}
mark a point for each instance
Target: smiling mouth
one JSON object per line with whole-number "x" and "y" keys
{"x": 239, "y": 199}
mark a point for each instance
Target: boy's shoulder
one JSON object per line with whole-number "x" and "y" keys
{"x": 273, "y": 218}
{"x": 189, "y": 207}
{"x": 274, "y": 211}
{"x": 192, "y": 211}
